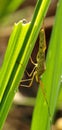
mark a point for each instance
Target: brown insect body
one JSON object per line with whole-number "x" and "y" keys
{"x": 40, "y": 66}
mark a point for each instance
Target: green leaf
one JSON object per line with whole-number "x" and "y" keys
{"x": 11, "y": 55}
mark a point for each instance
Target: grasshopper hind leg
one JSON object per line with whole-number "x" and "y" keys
{"x": 44, "y": 94}
{"x": 32, "y": 75}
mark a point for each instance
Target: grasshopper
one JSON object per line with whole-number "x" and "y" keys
{"x": 40, "y": 66}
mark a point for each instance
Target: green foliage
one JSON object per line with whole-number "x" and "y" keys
{"x": 19, "y": 49}
{"x": 11, "y": 70}
{"x": 20, "y": 46}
